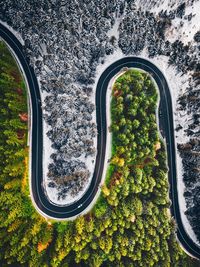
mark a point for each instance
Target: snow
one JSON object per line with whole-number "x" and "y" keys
{"x": 175, "y": 32}
{"x": 17, "y": 34}
{"x": 108, "y": 61}
{"x": 178, "y": 86}
{"x": 89, "y": 161}
{"x": 157, "y": 6}
{"x": 182, "y": 203}
{"x": 185, "y": 32}
{"x": 51, "y": 193}
{"x": 152, "y": 5}
{"x": 114, "y": 30}
{"x": 47, "y": 151}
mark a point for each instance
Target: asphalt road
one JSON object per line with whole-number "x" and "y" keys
{"x": 166, "y": 125}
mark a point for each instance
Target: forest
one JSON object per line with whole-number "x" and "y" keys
{"x": 130, "y": 223}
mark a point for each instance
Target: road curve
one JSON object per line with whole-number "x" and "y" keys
{"x": 165, "y": 124}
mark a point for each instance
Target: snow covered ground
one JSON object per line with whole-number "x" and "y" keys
{"x": 184, "y": 30}
{"x": 17, "y": 34}
{"x": 157, "y": 6}
{"x": 52, "y": 193}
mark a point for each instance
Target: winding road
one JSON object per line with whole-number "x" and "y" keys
{"x": 165, "y": 123}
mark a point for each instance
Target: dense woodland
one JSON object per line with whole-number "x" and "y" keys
{"x": 129, "y": 225}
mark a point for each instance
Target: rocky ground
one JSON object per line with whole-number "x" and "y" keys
{"x": 65, "y": 41}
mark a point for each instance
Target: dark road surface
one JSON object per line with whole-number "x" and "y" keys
{"x": 166, "y": 124}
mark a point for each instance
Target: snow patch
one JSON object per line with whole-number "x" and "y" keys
{"x": 17, "y": 34}
{"x": 114, "y": 30}
{"x": 183, "y": 29}
{"x": 157, "y": 6}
